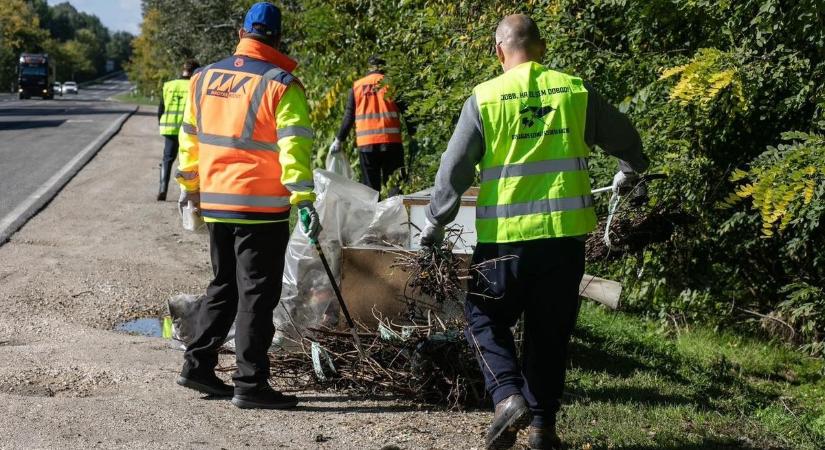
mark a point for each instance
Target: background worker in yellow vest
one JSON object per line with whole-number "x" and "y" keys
{"x": 246, "y": 145}
{"x": 377, "y": 120}
{"x": 529, "y": 131}
{"x": 170, "y": 118}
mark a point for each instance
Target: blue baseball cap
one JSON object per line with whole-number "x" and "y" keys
{"x": 265, "y": 14}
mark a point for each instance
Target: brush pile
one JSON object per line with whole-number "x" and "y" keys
{"x": 633, "y": 229}
{"x": 424, "y": 359}
{"x": 438, "y": 276}
{"x": 428, "y": 363}
{"x": 435, "y": 273}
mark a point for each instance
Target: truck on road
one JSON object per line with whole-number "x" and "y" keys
{"x": 36, "y": 76}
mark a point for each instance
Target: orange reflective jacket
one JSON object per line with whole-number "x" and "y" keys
{"x": 376, "y": 117}
{"x": 236, "y": 100}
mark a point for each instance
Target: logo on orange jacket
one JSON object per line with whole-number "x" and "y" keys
{"x": 227, "y": 85}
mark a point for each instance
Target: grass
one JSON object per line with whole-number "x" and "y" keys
{"x": 136, "y": 99}
{"x": 631, "y": 387}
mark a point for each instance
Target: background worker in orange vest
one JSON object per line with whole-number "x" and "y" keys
{"x": 246, "y": 145}
{"x": 170, "y": 117}
{"x": 377, "y": 120}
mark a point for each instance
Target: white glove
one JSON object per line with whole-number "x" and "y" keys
{"x": 432, "y": 235}
{"x": 336, "y": 146}
{"x": 623, "y": 183}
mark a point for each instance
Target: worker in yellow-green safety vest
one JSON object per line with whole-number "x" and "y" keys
{"x": 170, "y": 118}
{"x": 529, "y": 132}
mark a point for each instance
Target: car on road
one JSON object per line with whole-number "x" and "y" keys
{"x": 70, "y": 87}
{"x": 58, "y": 88}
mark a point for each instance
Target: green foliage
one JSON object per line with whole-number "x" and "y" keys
{"x": 783, "y": 180}
{"x": 710, "y": 85}
{"x": 632, "y": 386}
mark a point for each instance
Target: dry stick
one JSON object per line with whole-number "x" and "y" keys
{"x": 793, "y": 331}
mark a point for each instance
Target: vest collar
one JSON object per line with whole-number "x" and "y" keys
{"x": 258, "y": 50}
{"x": 529, "y": 66}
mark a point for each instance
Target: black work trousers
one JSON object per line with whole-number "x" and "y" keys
{"x": 170, "y": 152}
{"x": 542, "y": 283}
{"x": 248, "y": 263}
{"x": 379, "y": 162}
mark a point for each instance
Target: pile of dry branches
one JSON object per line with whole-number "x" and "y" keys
{"x": 426, "y": 359}
{"x": 428, "y": 363}
{"x": 435, "y": 273}
{"x": 632, "y": 230}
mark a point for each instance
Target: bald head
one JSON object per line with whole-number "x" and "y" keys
{"x": 518, "y": 40}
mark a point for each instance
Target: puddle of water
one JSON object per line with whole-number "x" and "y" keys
{"x": 147, "y": 326}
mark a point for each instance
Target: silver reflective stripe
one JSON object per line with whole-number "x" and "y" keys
{"x": 295, "y": 130}
{"x": 534, "y": 168}
{"x": 244, "y": 200}
{"x": 172, "y": 113}
{"x": 301, "y": 186}
{"x": 256, "y": 100}
{"x": 379, "y": 131}
{"x": 186, "y": 175}
{"x": 189, "y": 129}
{"x": 386, "y": 115}
{"x": 170, "y": 124}
{"x": 536, "y": 207}
{"x": 199, "y": 96}
{"x": 236, "y": 142}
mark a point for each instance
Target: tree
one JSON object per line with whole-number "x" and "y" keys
{"x": 19, "y": 31}
{"x": 119, "y": 48}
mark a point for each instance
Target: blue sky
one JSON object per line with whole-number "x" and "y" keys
{"x": 117, "y": 15}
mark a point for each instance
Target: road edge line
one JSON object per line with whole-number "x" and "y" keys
{"x": 19, "y": 216}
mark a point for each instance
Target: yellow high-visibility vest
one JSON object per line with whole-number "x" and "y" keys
{"x": 534, "y": 178}
{"x": 174, "y": 102}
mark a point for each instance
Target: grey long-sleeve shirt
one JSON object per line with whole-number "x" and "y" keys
{"x": 605, "y": 126}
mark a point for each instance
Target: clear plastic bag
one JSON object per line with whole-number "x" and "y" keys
{"x": 390, "y": 224}
{"x": 346, "y": 209}
{"x": 337, "y": 162}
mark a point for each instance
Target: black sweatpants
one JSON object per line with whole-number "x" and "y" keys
{"x": 248, "y": 263}
{"x": 543, "y": 284}
{"x": 379, "y": 162}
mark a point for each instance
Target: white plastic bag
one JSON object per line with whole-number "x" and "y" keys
{"x": 337, "y": 163}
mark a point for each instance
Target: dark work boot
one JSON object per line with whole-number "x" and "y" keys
{"x": 543, "y": 438}
{"x": 264, "y": 397}
{"x": 512, "y": 415}
{"x": 165, "y": 170}
{"x": 211, "y": 385}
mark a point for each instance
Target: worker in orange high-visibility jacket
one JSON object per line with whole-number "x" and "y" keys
{"x": 245, "y": 150}
{"x": 377, "y": 120}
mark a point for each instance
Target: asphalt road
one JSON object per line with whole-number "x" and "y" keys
{"x": 39, "y": 137}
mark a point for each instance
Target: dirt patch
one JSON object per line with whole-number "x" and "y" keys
{"x": 71, "y": 382}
